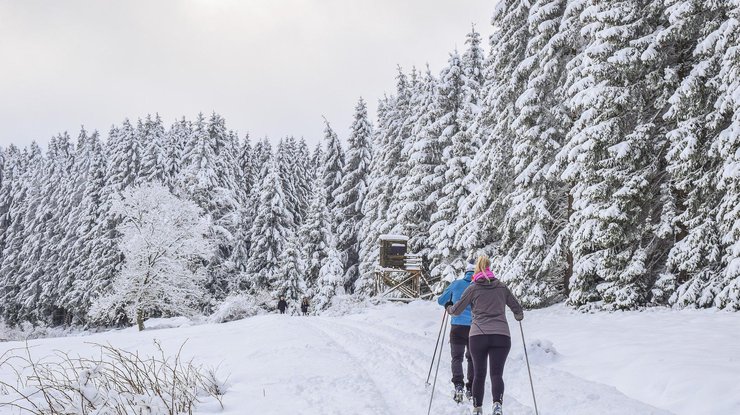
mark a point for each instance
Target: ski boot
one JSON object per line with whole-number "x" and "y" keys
{"x": 459, "y": 393}
{"x": 478, "y": 410}
{"x": 498, "y": 408}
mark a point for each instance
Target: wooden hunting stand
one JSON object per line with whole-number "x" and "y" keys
{"x": 400, "y": 275}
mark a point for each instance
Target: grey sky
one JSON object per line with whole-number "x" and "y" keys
{"x": 271, "y": 67}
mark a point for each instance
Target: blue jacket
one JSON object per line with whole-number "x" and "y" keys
{"x": 453, "y": 292}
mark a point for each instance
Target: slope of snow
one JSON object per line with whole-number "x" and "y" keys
{"x": 376, "y": 362}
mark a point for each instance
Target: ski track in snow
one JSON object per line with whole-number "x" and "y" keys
{"x": 372, "y": 363}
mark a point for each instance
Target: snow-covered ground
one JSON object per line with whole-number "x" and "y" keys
{"x": 376, "y": 362}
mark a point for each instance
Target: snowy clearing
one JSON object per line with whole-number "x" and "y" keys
{"x": 376, "y": 362}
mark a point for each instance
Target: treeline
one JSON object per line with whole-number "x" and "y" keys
{"x": 268, "y": 208}
{"x": 594, "y": 153}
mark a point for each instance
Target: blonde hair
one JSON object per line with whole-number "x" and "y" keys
{"x": 482, "y": 263}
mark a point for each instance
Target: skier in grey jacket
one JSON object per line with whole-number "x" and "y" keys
{"x": 490, "y": 340}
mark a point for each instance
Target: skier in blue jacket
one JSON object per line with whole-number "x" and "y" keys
{"x": 459, "y": 331}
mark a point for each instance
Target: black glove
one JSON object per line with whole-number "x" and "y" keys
{"x": 448, "y": 304}
{"x": 519, "y": 317}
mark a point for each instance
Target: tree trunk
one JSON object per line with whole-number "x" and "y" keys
{"x": 140, "y": 319}
{"x": 569, "y": 254}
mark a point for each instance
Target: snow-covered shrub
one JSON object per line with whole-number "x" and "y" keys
{"x": 345, "y": 304}
{"x": 540, "y": 351}
{"x": 114, "y": 382}
{"x": 28, "y": 331}
{"x": 237, "y": 307}
{"x": 170, "y": 322}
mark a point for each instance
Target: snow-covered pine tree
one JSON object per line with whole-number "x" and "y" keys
{"x": 315, "y": 233}
{"x": 289, "y": 280}
{"x": 332, "y": 164}
{"x": 385, "y": 183}
{"x": 490, "y": 177}
{"x": 83, "y": 282}
{"x": 262, "y": 154}
{"x": 350, "y": 195}
{"x": 285, "y": 154}
{"x": 164, "y": 242}
{"x": 243, "y": 234}
{"x": 245, "y": 160}
{"x": 444, "y": 257}
{"x": 727, "y": 147}
{"x": 259, "y": 160}
{"x": 535, "y": 263}
{"x": 102, "y": 258}
{"x": 41, "y": 251}
{"x": 376, "y": 203}
{"x": 153, "y": 162}
{"x": 419, "y": 193}
{"x": 316, "y": 157}
{"x": 465, "y": 143}
{"x": 613, "y": 158}
{"x": 20, "y": 183}
{"x": 400, "y": 136}
{"x": 72, "y": 235}
{"x": 690, "y": 210}
{"x": 208, "y": 177}
{"x": 176, "y": 140}
{"x": 124, "y": 158}
{"x": 270, "y": 232}
{"x": 303, "y": 178}
{"x": 9, "y": 170}
{"x": 331, "y": 280}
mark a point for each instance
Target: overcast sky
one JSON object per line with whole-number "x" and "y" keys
{"x": 270, "y": 67}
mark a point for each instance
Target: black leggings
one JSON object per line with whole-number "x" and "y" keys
{"x": 494, "y": 348}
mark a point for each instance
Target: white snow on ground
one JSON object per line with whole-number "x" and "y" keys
{"x": 376, "y": 362}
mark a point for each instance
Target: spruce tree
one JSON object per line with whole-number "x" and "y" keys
{"x": 485, "y": 205}
{"x": 332, "y": 164}
{"x": 689, "y": 214}
{"x": 19, "y": 231}
{"x": 444, "y": 255}
{"x": 380, "y": 211}
{"x": 534, "y": 262}
{"x": 727, "y": 147}
{"x": 177, "y": 138}
{"x": 420, "y": 190}
{"x": 154, "y": 159}
{"x": 612, "y": 154}
{"x": 289, "y": 280}
{"x": 330, "y": 282}
{"x": 125, "y": 154}
{"x": 315, "y": 234}
{"x": 303, "y": 178}
{"x": 270, "y": 232}
{"x": 350, "y": 195}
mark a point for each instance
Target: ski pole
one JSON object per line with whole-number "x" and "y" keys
{"x": 436, "y": 345}
{"x": 526, "y": 357}
{"x": 439, "y": 358}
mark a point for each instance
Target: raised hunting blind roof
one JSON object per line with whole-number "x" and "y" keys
{"x": 393, "y": 251}
{"x": 395, "y": 238}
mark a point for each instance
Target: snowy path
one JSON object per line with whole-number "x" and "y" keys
{"x": 376, "y": 362}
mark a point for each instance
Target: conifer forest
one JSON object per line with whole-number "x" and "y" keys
{"x": 590, "y": 148}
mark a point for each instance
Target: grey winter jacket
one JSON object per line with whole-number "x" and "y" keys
{"x": 489, "y": 299}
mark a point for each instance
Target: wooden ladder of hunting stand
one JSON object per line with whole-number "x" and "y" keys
{"x": 400, "y": 275}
